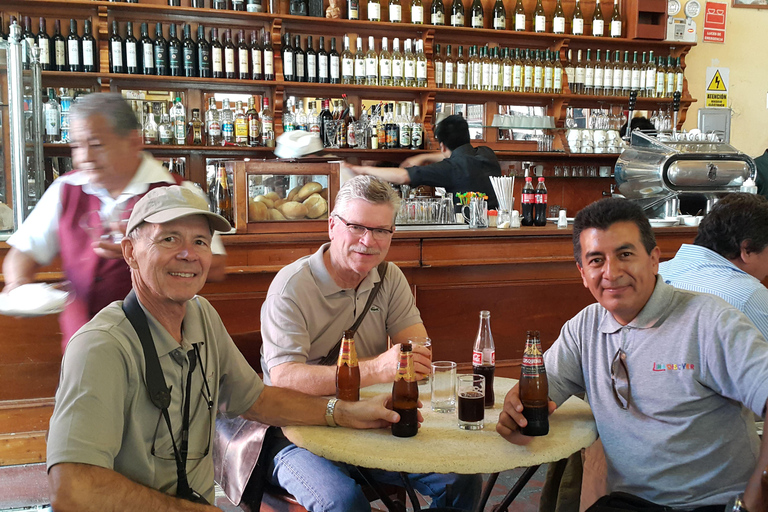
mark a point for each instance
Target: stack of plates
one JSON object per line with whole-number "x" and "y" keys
{"x": 35, "y": 299}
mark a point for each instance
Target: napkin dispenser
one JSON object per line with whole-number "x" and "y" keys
{"x": 655, "y": 172}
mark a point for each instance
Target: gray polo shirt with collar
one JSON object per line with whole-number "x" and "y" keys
{"x": 103, "y": 415}
{"x": 306, "y": 312}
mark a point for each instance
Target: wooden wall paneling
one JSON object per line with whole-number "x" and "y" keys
{"x": 30, "y": 356}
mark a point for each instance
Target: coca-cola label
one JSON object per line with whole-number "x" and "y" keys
{"x": 533, "y": 364}
{"x": 528, "y": 198}
{"x": 477, "y": 357}
{"x": 541, "y": 199}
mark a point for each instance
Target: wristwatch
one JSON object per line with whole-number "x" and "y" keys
{"x": 736, "y": 505}
{"x": 329, "y": 412}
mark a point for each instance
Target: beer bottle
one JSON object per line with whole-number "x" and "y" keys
{"x": 484, "y": 356}
{"x": 223, "y": 195}
{"x": 405, "y": 395}
{"x": 347, "y": 370}
{"x": 528, "y": 196}
{"x": 533, "y": 388}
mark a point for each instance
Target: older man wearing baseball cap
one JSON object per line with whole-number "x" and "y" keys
{"x": 142, "y": 381}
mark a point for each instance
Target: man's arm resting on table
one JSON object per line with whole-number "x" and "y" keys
{"x": 18, "y": 268}
{"x": 85, "y": 488}
{"x": 396, "y": 175}
{"x": 754, "y": 499}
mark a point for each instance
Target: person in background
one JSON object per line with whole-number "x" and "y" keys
{"x": 111, "y": 174}
{"x": 458, "y": 167}
{"x": 109, "y": 446}
{"x": 673, "y": 377}
{"x": 639, "y": 123}
{"x": 761, "y": 178}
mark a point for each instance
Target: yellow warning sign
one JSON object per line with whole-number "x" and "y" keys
{"x": 717, "y": 83}
{"x": 717, "y": 100}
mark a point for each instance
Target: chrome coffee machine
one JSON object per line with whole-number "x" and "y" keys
{"x": 656, "y": 173}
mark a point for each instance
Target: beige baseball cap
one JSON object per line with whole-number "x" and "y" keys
{"x": 164, "y": 204}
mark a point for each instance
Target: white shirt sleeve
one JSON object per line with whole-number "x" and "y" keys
{"x": 38, "y": 235}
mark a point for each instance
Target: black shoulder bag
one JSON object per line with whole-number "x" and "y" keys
{"x": 161, "y": 395}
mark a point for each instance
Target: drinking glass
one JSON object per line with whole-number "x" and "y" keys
{"x": 443, "y": 386}
{"x": 471, "y": 401}
{"x": 425, "y": 342}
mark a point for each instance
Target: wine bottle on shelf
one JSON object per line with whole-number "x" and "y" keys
{"x": 650, "y": 77}
{"x": 558, "y": 18}
{"x": 347, "y": 63}
{"x": 679, "y": 77}
{"x": 374, "y": 10}
{"x": 577, "y": 21}
{"x": 243, "y": 57}
{"x": 88, "y": 44}
{"x": 589, "y": 74}
{"x": 238, "y": 5}
{"x": 256, "y": 51}
{"x": 147, "y": 50}
{"x": 519, "y": 16}
{"x": 353, "y": 9}
{"x": 160, "y": 51}
{"x": 60, "y": 47}
{"x": 437, "y": 13}
{"x": 323, "y": 63}
{"x": 289, "y": 67}
{"x": 461, "y": 70}
{"x": 299, "y": 60}
{"x": 485, "y": 69}
{"x": 269, "y": 57}
{"x": 495, "y": 70}
{"x": 203, "y": 54}
{"x": 598, "y": 23}
{"x": 598, "y": 78}
{"x": 417, "y": 12}
{"x": 616, "y": 20}
{"x": 217, "y": 54}
{"x": 229, "y": 55}
{"x": 43, "y": 40}
{"x": 449, "y": 80}
{"x": 311, "y": 61}
{"x": 334, "y": 63}
{"x": 371, "y": 64}
{"x": 475, "y": 72}
{"x": 254, "y": 124}
{"x": 518, "y": 70}
{"x": 409, "y": 65}
{"x": 626, "y": 76}
{"x": 607, "y": 75}
{"x": 557, "y": 75}
{"x": 539, "y": 18}
{"x": 359, "y": 62}
{"x": 219, "y": 4}
{"x": 538, "y": 73}
{"x": 670, "y": 78}
{"x": 579, "y": 71}
{"x": 398, "y": 64}
{"x": 175, "y": 52}
{"x": 507, "y": 71}
{"x": 29, "y": 37}
{"x": 548, "y": 72}
{"x": 438, "y": 65}
{"x": 499, "y": 16}
{"x": 618, "y": 74}
{"x": 421, "y": 64}
{"x": 477, "y": 18}
{"x": 115, "y": 50}
{"x": 661, "y": 74}
{"x": 642, "y": 63}
{"x": 395, "y": 11}
{"x": 132, "y": 55}
{"x": 528, "y": 71}
{"x": 457, "y": 13}
{"x": 635, "y": 74}
{"x": 385, "y": 64}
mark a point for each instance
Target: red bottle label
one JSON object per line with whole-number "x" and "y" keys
{"x": 477, "y": 358}
{"x": 528, "y": 198}
{"x": 533, "y": 365}
{"x": 541, "y": 198}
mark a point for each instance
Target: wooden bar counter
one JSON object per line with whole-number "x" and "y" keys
{"x": 525, "y": 277}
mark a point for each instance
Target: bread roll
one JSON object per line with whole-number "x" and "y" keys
{"x": 257, "y": 211}
{"x": 264, "y": 199}
{"x": 292, "y": 194}
{"x": 307, "y": 190}
{"x": 316, "y": 206}
{"x": 273, "y": 195}
{"x": 324, "y": 193}
{"x": 278, "y": 202}
{"x": 293, "y": 210}
{"x": 275, "y": 215}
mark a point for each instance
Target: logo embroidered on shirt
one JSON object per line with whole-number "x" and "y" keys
{"x": 375, "y": 309}
{"x": 661, "y": 367}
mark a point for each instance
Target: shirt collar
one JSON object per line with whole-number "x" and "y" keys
{"x": 653, "y": 311}
{"x": 149, "y": 171}
{"x": 464, "y": 148}
{"x": 191, "y": 330}
{"x": 323, "y": 278}
{"x": 698, "y": 253}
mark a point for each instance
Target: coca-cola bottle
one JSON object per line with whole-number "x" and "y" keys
{"x": 484, "y": 356}
{"x": 540, "y": 200}
{"x": 534, "y": 389}
{"x": 529, "y": 198}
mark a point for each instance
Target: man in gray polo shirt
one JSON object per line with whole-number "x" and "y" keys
{"x": 109, "y": 447}
{"x": 672, "y": 376}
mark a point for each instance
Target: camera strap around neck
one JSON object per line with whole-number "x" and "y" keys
{"x": 331, "y": 357}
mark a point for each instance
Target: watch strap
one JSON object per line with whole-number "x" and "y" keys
{"x": 329, "y": 409}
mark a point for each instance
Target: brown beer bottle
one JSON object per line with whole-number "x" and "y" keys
{"x": 405, "y": 395}
{"x": 222, "y": 195}
{"x": 534, "y": 390}
{"x": 347, "y": 370}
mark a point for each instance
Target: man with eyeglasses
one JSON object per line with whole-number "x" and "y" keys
{"x": 119, "y": 440}
{"x": 309, "y": 305}
{"x": 666, "y": 372}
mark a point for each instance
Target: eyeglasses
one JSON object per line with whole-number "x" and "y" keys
{"x": 359, "y": 230}
{"x": 620, "y": 379}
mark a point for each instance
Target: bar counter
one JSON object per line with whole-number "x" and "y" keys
{"x": 525, "y": 277}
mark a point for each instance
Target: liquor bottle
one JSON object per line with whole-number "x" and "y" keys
{"x": 549, "y": 70}
{"x": 217, "y": 54}
{"x": 449, "y": 67}
{"x": 179, "y": 120}
{"x": 650, "y": 77}
{"x": 484, "y": 356}
{"x": 268, "y": 58}
{"x": 477, "y": 19}
{"x": 635, "y": 73}
{"x": 348, "y": 370}
{"x": 385, "y": 64}
{"x": 254, "y": 124}
{"x": 626, "y": 76}
{"x": 670, "y": 78}
{"x": 371, "y": 64}
{"x": 222, "y": 203}
{"x": 577, "y": 21}
{"x": 518, "y": 70}
{"x": 417, "y": 12}
{"x": 347, "y": 63}
{"x": 175, "y": 53}
{"x": 539, "y": 18}
{"x": 557, "y": 75}
{"x": 229, "y": 55}
{"x": 289, "y": 117}
{"x": 313, "y": 119}
{"x": 60, "y": 47}
{"x": 241, "y": 125}
{"x": 132, "y": 55}
{"x": 359, "y": 62}
{"x": 528, "y": 201}
{"x": 311, "y": 61}
{"x": 618, "y": 74}
{"x": 88, "y": 43}
{"x": 351, "y": 119}
{"x": 299, "y": 61}
{"x": 679, "y": 77}
{"x": 437, "y": 13}
{"x": 607, "y": 75}
{"x": 499, "y": 16}
{"x": 323, "y": 63}
{"x": 417, "y": 128}
{"x": 195, "y": 129}
{"x": 189, "y": 52}
{"x": 457, "y": 13}
{"x": 52, "y": 117}
{"x": 438, "y": 64}
{"x": 589, "y": 74}
{"x": 149, "y": 130}
{"x": 165, "y": 128}
{"x": 395, "y": 11}
{"x": 579, "y": 74}
{"x": 29, "y": 36}
{"x": 405, "y": 395}
{"x": 147, "y": 49}
{"x": 374, "y": 10}
{"x": 409, "y": 65}
{"x": 227, "y": 123}
{"x": 381, "y": 127}
{"x": 115, "y": 50}
{"x": 598, "y": 24}
{"x": 475, "y": 70}
{"x": 616, "y": 20}
{"x": 353, "y": 9}
{"x": 323, "y": 117}
{"x": 519, "y": 16}
{"x": 558, "y": 18}
{"x": 212, "y": 123}
{"x": 398, "y": 64}
{"x": 486, "y": 68}
{"x": 267, "y": 124}
{"x": 392, "y": 128}
{"x": 507, "y": 71}
{"x": 528, "y": 71}
{"x": 534, "y": 388}
{"x": 203, "y": 54}
{"x": 461, "y": 70}
{"x": 597, "y": 88}
{"x": 421, "y": 64}
{"x": 243, "y": 57}
{"x": 43, "y": 40}
{"x": 540, "y": 202}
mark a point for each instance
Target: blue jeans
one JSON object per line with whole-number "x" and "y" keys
{"x": 321, "y": 485}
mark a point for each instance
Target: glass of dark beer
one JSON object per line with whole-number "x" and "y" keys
{"x": 471, "y": 390}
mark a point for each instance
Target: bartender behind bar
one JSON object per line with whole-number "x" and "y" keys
{"x": 457, "y": 167}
